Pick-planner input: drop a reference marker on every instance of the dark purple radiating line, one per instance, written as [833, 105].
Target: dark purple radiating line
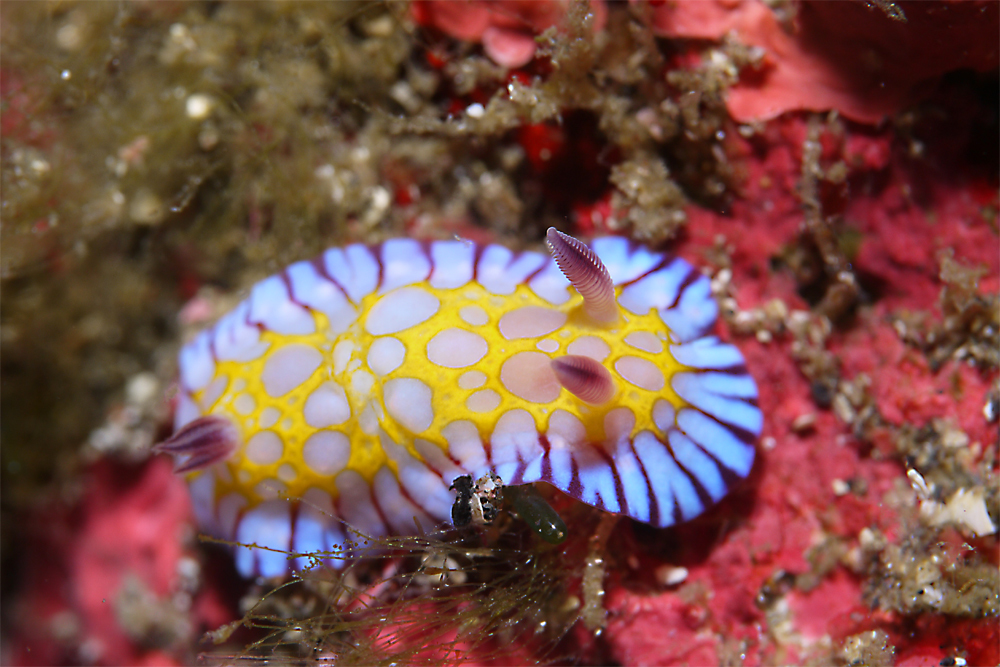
[665, 261]
[531, 276]
[376, 252]
[654, 505]
[689, 279]
[319, 263]
[382, 261]
[729, 476]
[575, 487]
[293, 516]
[477, 256]
[699, 489]
[419, 506]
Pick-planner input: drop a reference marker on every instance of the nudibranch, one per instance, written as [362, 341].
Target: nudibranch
[355, 389]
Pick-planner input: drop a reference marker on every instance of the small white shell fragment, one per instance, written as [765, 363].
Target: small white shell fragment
[966, 509]
[919, 484]
[670, 575]
[146, 208]
[199, 106]
[840, 487]
[804, 422]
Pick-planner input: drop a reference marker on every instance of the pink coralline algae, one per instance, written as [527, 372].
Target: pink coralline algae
[112, 572]
[847, 56]
[775, 532]
[507, 29]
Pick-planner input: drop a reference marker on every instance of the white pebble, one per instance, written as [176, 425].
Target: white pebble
[669, 575]
[199, 106]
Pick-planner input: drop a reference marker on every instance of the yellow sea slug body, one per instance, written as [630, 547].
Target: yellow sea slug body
[358, 386]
